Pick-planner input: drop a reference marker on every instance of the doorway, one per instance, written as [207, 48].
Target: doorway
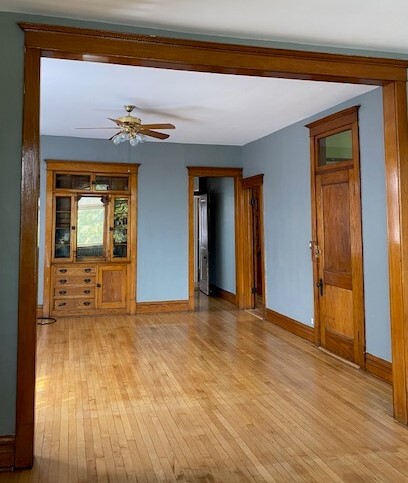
[337, 253]
[65, 42]
[214, 236]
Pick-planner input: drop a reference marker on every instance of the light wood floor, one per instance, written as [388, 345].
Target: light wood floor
[215, 395]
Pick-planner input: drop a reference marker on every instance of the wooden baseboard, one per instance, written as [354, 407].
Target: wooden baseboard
[224, 294]
[162, 306]
[291, 325]
[378, 367]
[7, 448]
[40, 311]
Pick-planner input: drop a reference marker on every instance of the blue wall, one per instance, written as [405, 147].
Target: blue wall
[162, 258]
[284, 159]
[222, 250]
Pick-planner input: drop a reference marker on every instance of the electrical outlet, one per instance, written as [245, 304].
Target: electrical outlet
[312, 322]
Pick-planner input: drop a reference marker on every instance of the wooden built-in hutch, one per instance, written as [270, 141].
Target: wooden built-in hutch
[90, 239]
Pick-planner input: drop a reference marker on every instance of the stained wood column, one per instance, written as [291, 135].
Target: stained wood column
[396, 154]
[27, 314]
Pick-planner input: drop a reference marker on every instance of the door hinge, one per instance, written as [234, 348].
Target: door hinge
[253, 201]
[254, 290]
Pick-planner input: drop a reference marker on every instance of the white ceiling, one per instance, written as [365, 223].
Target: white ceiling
[367, 24]
[205, 108]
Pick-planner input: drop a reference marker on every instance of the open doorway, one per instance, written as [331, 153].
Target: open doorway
[331, 68]
[214, 232]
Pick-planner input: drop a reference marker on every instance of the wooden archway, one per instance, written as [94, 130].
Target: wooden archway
[151, 51]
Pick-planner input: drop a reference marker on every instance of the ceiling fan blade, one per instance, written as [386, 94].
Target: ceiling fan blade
[116, 121]
[155, 134]
[110, 139]
[112, 127]
[156, 126]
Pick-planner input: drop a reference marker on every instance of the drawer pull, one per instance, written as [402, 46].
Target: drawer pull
[62, 292]
[62, 281]
[87, 292]
[62, 304]
[87, 270]
[87, 303]
[87, 280]
[63, 270]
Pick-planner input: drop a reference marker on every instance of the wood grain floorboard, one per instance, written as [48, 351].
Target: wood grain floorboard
[216, 395]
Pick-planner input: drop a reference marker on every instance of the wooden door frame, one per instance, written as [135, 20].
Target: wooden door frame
[248, 269]
[154, 51]
[337, 122]
[213, 172]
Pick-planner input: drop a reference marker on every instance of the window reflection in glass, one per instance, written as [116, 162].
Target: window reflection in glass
[90, 227]
[336, 148]
[120, 227]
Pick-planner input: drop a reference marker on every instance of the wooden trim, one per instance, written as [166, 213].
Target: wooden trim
[378, 367]
[224, 294]
[334, 121]
[291, 325]
[40, 312]
[7, 449]
[162, 306]
[63, 42]
[92, 166]
[347, 118]
[156, 51]
[252, 181]
[396, 168]
[215, 172]
[27, 298]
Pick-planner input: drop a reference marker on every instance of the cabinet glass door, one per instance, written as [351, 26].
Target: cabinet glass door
[90, 241]
[63, 240]
[120, 227]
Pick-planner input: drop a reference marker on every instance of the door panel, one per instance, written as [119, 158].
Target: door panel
[335, 263]
[204, 281]
[337, 239]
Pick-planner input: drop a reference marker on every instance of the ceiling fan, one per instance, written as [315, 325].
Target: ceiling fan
[131, 128]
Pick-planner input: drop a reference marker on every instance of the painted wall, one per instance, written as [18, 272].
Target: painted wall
[222, 222]
[11, 96]
[284, 159]
[162, 261]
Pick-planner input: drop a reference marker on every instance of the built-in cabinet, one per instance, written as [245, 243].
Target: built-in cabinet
[90, 259]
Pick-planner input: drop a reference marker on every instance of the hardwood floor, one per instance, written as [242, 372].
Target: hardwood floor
[214, 395]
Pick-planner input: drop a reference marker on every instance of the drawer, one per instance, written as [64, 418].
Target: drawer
[67, 270]
[78, 280]
[70, 291]
[74, 304]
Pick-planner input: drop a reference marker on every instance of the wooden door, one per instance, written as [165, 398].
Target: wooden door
[204, 280]
[257, 246]
[337, 244]
[111, 290]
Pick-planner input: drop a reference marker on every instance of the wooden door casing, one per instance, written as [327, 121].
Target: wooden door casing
[337, 244]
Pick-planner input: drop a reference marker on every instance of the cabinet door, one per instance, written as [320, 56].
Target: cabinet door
[112, 287]
[63, 241]
[119, 217]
